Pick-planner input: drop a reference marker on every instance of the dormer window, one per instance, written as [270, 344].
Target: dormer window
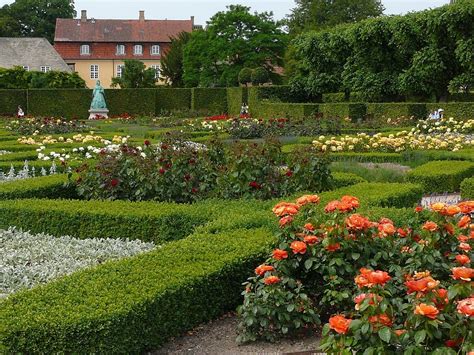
[45, 68]
[120, 49]
[155, 49]
[85, 49]
[138, 49]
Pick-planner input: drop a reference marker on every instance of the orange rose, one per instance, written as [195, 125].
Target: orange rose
[464, 222]
[449, 228]
[386, 229]
[340, 324]
[286, 209]
[271, 280]
[402, 233]
[279, 254]
[311, 239]
[309, 227]
[466, 207]
[373, 298]
[331, 206]
[441, 299]
[430, 226]
[369, 278]
[463, 259]
[262, 269]
[438, 207]
[285, 221]
[357, 222]
[451, 210]
[466, 307]
[463, 238]
[380, 319]
[298, 247]
[333, 247]
[426, 310]
[464, 246]
[307, 199]
[418, 209]
[351, 201]
[400, 332]
[462, 273]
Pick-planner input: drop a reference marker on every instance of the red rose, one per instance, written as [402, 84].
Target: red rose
[114, 182]
[147, 142]
[279, 254]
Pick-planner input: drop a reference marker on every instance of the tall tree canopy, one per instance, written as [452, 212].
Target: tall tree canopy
[233, 39]
[172, 62]
[320, 14]
[34, 18]
[135, 75]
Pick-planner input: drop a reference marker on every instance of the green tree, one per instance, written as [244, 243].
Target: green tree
[320, 14]
[233, 40]
[245, 76]
[34, 18]
[19, 78]
[172, 62]
[260, 76]
[135, 75]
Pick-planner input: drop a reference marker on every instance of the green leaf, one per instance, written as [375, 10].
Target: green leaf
[420, 336]
[290, 307]
[308, 263]
[385, 334]
[355, 256]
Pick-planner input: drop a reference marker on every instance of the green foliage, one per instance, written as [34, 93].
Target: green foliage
[441, 176]
[354, 111]
[10, 100]
[19, 78]
[70, 103]
[19, 156]
[172, 99]
[285, 110]
[320, 14]
[386, 58]
[245, 76]
[33, 18]
[234, 39]
[172, 62]
[467, 188]
[395, 110]
[373, 157]
[131, 101]
[53, 186]
[209, 100]
[459, 110]
[135, 75]
[260, 76]
[334, 97]
[342, 179]
[235, 98]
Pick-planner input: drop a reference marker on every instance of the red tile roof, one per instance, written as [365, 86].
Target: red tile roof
[75, 30]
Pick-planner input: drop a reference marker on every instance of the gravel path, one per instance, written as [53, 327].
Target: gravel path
[218, 337]
[389, 166]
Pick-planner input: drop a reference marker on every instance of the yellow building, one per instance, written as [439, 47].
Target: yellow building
[96, 49]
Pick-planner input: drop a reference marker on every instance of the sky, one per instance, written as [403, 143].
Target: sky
[204, 9]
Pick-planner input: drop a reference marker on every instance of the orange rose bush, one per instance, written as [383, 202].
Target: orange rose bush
[381, 287]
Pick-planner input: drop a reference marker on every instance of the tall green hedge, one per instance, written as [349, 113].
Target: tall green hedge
[334, 97]
[209, 100]
[467, 188]
[235, 98]
[355, 111]
[170, 99]
[10, 100]
[132, 101]
[69, 103]
[287, 110]
[458, 110]
[395, 110]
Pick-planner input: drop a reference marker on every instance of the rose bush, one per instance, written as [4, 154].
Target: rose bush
[383, 288]
[45, 125]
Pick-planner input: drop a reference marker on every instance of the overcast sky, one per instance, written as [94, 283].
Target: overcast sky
[203, 9]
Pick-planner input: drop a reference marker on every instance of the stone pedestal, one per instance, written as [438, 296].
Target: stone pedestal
[98, 113]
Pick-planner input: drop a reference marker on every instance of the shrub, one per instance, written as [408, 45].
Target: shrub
[467, 188]
[19, 156]
[211, 101]
[245, 76]
[334, 97]
[354, 111]
[260, 76]
[395, 110]
[53, 186]
[441, 176]
[235, 98]
[458, 110]
[131, 101]
[341, 179]
[10, 100]
[169, 99]
[69, 103]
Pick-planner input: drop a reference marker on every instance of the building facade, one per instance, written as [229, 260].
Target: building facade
[96, 49]
[33, 54]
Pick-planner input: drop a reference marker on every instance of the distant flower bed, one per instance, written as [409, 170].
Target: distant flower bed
[449, 125]
[28, 260]
[45, 125]
[78, 138]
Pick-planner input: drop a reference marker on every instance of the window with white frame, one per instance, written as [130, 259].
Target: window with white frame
[45, 68]
[94, 71]
[26, 67]
[120, 49]
[138, 49]
[120, 68]
[157, 70]
[85, 49]
[155, 49]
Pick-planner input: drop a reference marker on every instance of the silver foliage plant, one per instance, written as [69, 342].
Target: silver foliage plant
[27, 260]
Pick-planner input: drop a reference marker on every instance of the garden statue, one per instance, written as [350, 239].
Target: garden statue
[98, 107]
[20, 113]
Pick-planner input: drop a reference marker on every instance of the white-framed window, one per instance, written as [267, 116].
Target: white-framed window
[45, 68]
[120, 68]
[94, 71]
[26, 67]
[155, 49]
[120, 49]
[85, 49]
[138, 49]
[157, 70]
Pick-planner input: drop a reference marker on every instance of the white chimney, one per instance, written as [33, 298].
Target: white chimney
[142, 15]
[83, 15]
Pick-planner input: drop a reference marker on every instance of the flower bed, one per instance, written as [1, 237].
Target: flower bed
[410, 284]
[45, 125]
[29, 260]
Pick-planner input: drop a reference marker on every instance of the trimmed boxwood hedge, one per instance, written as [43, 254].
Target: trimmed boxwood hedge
[394, 110]
[136, 304]
[170, 99]
[441, 176]
[68, 103]
[209, 100]
[341, 179]
[286, 110]
[10, 100]
[19, 156]
[374, 157]
[334, 97]
[467, 188]
[132, 101]
[458, 110]
[52, 186]
[355, 111]
[235, 98]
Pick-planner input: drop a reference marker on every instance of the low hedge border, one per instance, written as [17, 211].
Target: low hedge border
[375, 157]
[467, 188]
[19, 156]
[341, 179]
[156, 295]
[53, 186]
[441, 176]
